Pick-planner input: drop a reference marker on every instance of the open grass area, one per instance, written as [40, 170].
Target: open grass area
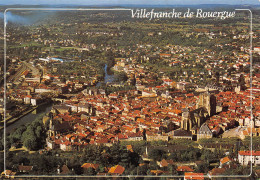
[65, 48]
[26, 45]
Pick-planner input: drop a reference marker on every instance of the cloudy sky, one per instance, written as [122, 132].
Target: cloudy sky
[114, 2]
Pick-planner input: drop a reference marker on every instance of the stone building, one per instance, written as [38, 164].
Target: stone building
[205, 107]
[58, 126]
[207, 101]
[193, 119]
[204, 132]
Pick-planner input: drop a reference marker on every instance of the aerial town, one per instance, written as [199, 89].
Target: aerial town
[113, 98]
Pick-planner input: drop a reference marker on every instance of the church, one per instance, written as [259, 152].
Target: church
[193, 120]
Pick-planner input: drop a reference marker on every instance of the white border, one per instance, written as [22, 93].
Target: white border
[129, 176]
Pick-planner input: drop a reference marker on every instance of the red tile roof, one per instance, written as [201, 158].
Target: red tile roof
[224, 160]
[193, 176]
[248, 153]
[25, 168]
[90, 165]
[116, 169]
[184, 169]
[217, 171]
[129, 148]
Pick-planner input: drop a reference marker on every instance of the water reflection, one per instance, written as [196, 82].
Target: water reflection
[29, 117]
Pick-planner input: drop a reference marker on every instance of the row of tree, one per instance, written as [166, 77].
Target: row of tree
[31, 136]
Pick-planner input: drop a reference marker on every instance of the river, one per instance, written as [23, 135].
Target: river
[45, 108]
[107, 78]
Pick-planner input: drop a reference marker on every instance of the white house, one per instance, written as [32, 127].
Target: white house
[35, 101]
[244, 157]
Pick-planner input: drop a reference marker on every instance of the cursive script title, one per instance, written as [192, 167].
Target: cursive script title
[199, 13]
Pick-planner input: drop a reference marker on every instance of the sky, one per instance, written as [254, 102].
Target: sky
[118, 2]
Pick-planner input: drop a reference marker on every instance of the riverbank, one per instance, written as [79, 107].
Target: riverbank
[108, 77]
[9, 121]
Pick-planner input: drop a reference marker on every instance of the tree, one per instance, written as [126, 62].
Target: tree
[18, 132]
[237, 170]
[202, 168]
[38, 132]
[115, 154]
[89, 154]
[134, 158]
[23, 160]
[90, 171]
[2, 160]
[125, 158]
[1, 143]
[172, 169]
[207, 156]
[30, 143]
[157, 154]
[142, 170]
[121, 77]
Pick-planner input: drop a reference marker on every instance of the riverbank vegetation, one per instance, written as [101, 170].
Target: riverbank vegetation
[31, 135]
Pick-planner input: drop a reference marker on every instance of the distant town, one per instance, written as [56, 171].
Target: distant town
[101, 94]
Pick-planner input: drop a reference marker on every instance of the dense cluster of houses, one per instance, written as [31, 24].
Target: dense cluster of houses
[155, 110]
